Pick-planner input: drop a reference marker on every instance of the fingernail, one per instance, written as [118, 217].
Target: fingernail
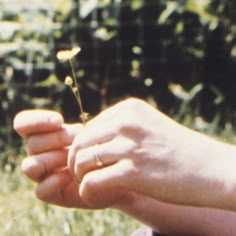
[33, 169]
[28, 164]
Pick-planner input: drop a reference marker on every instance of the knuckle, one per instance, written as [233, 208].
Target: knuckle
[76, 145]
[31, 145]
[133, 170]
[89, 184]
[80, 165]
[129, 168]
[136, 105]
[59, 137]
[125, 119]
[90, 189]
[40, 194]
[132, 102]
[128, 122]
[34, 169]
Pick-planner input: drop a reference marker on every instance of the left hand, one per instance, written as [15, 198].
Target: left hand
[48, 139]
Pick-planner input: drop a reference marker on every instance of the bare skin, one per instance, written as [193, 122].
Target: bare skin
[145, 151]
[48, 141]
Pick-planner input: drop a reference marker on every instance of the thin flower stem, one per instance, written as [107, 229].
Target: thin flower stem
[73, 73]
[78, 99]
[77, 93]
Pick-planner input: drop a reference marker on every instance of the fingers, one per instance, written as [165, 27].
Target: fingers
[44, 142]
[90, 136]
[35, 121]
[108, 153]
[103, 198]
[37, 167]
[60, 189]
[111, 177]
[106, 126]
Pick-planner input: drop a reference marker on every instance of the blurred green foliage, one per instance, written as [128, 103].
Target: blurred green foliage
[22, 214]
[180, 55]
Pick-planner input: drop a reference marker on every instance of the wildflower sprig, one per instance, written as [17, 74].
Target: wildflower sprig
[67, 55]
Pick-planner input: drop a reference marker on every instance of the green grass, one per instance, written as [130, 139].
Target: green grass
[21, 213]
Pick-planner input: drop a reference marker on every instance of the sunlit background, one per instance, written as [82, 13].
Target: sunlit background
[179, 55]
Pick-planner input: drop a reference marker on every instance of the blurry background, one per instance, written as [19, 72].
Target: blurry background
[178, 55]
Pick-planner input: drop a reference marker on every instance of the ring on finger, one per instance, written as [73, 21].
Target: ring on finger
[97, 158]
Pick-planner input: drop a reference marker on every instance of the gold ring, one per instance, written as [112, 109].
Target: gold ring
[97, 159]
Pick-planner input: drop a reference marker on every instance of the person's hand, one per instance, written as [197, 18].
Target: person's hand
[143, 150]
[48, 139]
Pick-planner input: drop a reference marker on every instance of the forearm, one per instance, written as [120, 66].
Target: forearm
[180, 220]
[214, 183]
[141, 208]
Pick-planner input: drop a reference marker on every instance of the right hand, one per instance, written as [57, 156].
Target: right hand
[145, 151]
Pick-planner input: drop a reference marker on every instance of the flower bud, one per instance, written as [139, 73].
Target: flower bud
[68, 80]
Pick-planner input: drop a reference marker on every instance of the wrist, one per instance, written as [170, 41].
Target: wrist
[125, 202]
[225, 174]
[215, 178]
[141, 208]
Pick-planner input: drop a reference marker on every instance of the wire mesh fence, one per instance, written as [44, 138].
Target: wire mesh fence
[129, 48]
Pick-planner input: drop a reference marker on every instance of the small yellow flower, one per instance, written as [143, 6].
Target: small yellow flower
[68, 81]
[75, 50]
[75, 90]
[65, 55]
[84, 116]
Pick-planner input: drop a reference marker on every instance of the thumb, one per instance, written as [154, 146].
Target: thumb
[106, 187]
[28, 122]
